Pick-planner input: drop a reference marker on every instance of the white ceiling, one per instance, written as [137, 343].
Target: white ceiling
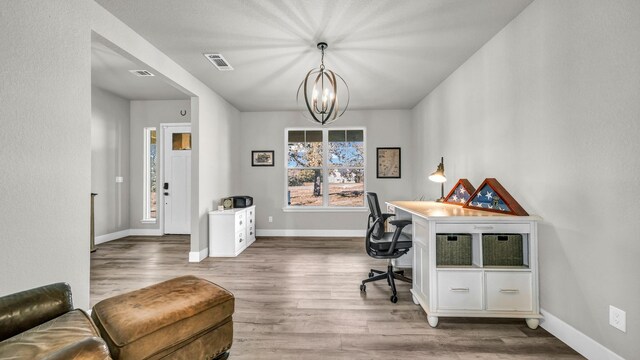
[391, 53]
[110, 71]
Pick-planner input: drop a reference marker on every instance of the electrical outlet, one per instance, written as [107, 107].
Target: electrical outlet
[270, 218]
[617, 318]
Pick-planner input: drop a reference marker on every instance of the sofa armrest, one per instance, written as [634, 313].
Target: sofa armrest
[92, 348]
[27, 309]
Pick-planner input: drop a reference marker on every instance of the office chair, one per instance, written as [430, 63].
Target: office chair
[385, 245]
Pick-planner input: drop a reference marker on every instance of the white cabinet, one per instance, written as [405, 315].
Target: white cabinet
[231, 231]
[492, 282]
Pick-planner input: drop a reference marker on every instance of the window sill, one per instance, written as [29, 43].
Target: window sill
[323, 209]
[149, 221]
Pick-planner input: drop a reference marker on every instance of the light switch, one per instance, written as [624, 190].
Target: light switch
[119, 179]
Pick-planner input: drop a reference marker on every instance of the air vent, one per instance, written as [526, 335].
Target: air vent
[219, 61]
[141, 73]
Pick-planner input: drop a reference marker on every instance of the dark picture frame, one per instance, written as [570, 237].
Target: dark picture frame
[262, 158]
[388, 163]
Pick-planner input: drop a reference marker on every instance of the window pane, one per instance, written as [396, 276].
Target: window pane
[181, 141]
[346, 187]
[153, 177]
[305, 154]
[346, 153]
[305, 187]
[296, 136]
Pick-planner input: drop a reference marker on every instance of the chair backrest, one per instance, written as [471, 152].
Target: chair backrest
[374, 208]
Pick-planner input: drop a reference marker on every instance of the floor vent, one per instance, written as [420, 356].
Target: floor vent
[141, 73]
[219, 61]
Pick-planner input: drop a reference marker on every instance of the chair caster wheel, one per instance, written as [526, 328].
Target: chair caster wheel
[363, 288]
[394, 299]
[370, 274]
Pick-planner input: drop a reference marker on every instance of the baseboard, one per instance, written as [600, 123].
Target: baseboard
[309, 233]
[112, 236]
[578, 341]
[145, 232]
[197, 256]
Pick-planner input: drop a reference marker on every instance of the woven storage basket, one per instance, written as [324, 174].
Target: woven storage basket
[502, 250]
[453, 249]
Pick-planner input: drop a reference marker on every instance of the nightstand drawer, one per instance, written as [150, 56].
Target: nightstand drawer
[508, 291]
[241, 221]
[459, 290]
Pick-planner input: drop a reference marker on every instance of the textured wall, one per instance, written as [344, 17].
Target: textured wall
[265, 131]
[45, 156]
[110, 158]
[550, 107]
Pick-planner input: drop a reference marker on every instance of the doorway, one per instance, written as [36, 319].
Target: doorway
[176, 183]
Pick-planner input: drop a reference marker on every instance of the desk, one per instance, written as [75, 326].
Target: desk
[484, 287]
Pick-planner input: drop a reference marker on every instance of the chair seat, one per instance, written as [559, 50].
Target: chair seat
[383, 244]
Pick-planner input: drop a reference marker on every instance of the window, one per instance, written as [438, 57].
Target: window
[150, 176]
[316, 158]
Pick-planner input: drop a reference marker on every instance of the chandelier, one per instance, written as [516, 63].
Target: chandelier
[322, 101]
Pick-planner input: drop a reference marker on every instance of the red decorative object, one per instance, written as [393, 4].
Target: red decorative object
[492, 196]
[460, 193]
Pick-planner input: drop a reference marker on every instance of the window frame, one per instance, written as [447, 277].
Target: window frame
[326, 207]
[146, 177]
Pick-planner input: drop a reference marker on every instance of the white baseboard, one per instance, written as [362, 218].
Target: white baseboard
[578, 341]
[145, 232]
[308, 233]
[112, 236]
[197, 256]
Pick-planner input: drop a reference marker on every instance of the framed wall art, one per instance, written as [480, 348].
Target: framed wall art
[262, 158]
[388, 163]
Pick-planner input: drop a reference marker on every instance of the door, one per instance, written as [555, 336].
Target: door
[177, 179]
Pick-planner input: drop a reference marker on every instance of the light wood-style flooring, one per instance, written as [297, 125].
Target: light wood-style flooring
[299, 298]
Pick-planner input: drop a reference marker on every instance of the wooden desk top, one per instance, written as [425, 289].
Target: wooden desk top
[431, 209]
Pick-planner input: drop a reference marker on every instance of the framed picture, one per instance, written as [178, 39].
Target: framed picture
[388, 163]
[262, 158]
[460, 193]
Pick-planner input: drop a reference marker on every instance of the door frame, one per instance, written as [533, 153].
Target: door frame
[160, 199]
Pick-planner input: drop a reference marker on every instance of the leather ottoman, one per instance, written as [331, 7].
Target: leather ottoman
[183, 318]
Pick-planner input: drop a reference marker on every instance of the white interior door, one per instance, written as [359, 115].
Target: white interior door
[177, 179]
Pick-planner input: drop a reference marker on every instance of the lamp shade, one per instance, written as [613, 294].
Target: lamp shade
[438, 175]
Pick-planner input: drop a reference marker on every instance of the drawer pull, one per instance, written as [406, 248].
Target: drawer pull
[510, 291]
[459, 289]
[240, 240]
[251, 233]
[240, 222]
[251, 221]
[483, 227]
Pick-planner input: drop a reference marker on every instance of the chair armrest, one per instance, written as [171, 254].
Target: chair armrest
[385, 216]
[92, 348]
[400, 223]
[27, 309]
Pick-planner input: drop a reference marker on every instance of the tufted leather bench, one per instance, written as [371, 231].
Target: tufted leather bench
[183, 318]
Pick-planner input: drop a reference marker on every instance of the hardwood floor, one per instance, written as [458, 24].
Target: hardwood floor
[299, 299]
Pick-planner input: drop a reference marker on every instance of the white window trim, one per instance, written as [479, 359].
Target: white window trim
[325, 170]
[146, 187]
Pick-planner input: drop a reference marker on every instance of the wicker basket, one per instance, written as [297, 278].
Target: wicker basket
[453, 249]
[502, 250]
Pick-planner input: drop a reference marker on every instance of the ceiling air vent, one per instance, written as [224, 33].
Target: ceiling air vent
[219, 61]
[141, 73]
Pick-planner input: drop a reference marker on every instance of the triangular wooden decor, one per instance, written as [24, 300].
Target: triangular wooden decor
[460, 193]
[491, 196]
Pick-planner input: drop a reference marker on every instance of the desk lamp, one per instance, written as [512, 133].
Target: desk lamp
[438, 176]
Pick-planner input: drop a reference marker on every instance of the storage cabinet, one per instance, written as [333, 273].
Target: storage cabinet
[472, 263]
[231, 231]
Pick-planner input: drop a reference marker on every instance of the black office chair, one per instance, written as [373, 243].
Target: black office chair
[385, 245]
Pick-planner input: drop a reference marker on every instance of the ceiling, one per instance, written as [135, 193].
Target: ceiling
[110, 71]
[391, 53]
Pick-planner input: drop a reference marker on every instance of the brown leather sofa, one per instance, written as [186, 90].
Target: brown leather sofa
[41, 324]
[182, 318]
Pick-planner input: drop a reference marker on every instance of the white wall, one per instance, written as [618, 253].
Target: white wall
[45, 157]
[109, 158]
[265, 131]
[550, 108]
[149, 114]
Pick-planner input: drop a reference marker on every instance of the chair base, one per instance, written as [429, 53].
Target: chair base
[390, 275]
